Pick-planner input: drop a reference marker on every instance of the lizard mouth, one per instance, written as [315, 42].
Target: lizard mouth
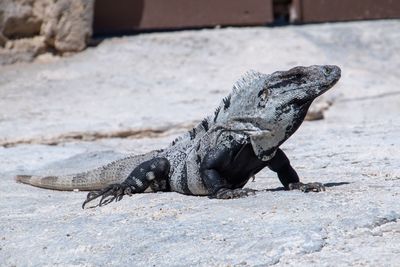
[308, 99]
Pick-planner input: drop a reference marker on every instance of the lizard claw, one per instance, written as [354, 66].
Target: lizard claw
[225, 193]
[108, 195]
[310, 187]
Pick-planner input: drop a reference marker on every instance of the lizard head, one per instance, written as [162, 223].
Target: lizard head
[270, 108]
[300, 85]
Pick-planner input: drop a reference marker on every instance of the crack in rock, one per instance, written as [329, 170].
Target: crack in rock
[383, 95]
[315, 113]
[97, 135]
[384, 220]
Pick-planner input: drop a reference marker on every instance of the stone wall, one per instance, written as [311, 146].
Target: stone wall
[29, 28]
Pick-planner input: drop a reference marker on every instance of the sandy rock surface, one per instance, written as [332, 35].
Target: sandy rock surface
[153, 87]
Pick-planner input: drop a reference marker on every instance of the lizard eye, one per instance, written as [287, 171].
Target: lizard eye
[327, 71]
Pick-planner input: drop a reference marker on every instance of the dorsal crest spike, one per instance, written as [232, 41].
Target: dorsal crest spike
[246, 80]
[216, 112]
[227, 101]
[204, 124]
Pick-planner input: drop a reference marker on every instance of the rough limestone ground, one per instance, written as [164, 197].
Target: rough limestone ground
[154, 86]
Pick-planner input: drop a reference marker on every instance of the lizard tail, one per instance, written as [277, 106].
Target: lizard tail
[63, 183]
[114, 172]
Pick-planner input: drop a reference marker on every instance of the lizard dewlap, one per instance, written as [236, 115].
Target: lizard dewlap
[218, 156]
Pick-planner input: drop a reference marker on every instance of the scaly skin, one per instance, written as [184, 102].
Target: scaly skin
[219, 155]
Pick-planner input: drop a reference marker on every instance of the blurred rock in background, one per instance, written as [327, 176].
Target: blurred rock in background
[29, 28]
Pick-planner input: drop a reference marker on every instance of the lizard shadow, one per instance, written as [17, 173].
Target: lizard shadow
[283, 189]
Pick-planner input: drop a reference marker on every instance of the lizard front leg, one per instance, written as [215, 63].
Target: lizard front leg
[215, 160]
[288, 176]
[138, 181]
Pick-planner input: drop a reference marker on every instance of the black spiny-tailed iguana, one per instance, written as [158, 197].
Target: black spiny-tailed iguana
[218, 156]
